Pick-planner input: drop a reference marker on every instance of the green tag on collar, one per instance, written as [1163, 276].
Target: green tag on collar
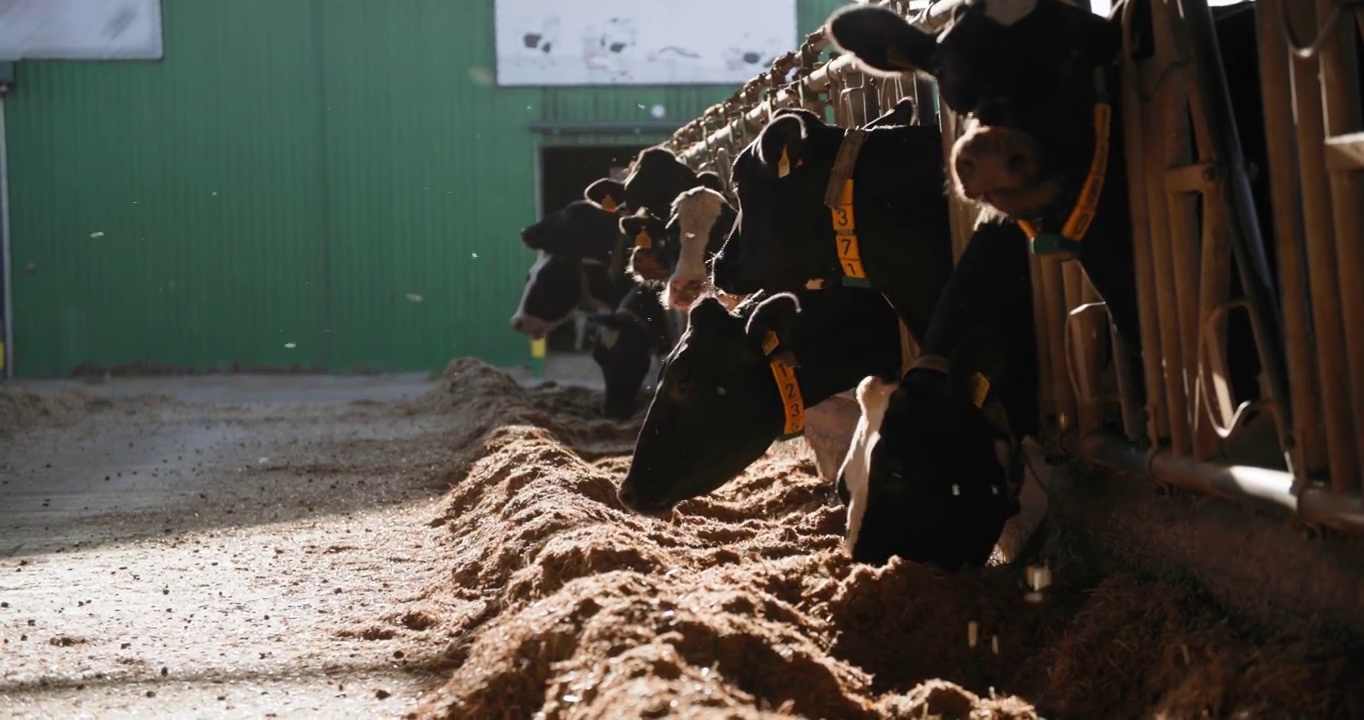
[1054, 243]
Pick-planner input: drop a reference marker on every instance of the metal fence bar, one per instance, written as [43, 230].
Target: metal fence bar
[1340, 88]
[1308, 444]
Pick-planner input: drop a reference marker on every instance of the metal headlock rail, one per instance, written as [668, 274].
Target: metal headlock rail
[1192, 215]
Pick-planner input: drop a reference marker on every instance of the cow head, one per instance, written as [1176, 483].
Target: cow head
[622, 347]
[1022, 74]
[655, 179]
[655, 249]
[927, 476]
[556, 286]
[717, 407]
[701, 214]
[581, 228]
[711, 179]
[784, 235]
[608, 193]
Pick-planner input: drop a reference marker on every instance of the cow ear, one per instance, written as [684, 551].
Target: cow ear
[533, 236]
[630, 225]
[873, 397]
[774, 326]
[711, 180]
[707, 313]
[903, 113]
[607, 193]
[883, 41]
[782, 145]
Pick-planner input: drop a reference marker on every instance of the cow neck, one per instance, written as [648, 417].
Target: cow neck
[788, 387]
[658, 334]
[1065, 243]
[784, 366]
[981, 395]
[838, 197]
[586, 298]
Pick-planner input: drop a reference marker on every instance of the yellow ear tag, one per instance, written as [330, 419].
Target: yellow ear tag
[784, 164]
[643, 241]
[979, 390]
[609, 204]
[770, 342]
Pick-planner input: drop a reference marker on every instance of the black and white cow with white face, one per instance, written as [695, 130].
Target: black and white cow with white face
[575, 247]
[703, 219]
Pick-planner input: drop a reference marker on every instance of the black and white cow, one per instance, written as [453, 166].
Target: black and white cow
[935, 468]
[785, 235]
[575, 247]
[703, 219]
[678, 254]
[718, 408]
[624, 343]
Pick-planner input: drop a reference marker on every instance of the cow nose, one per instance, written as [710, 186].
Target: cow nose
[520, 323]
[991, 160]
[626, 495]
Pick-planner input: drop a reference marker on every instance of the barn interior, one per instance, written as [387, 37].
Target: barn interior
[269, 445]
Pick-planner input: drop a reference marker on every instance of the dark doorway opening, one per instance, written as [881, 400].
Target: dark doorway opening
[564, 172]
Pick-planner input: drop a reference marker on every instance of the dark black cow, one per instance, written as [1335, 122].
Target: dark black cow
[934, 468]
[1031, 78]
[624, 343]
[785, 235]
[655, 246]
[718, 407]
[656, 177]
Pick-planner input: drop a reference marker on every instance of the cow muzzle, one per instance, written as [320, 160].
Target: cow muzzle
[532, 327]
[633, 500]
[1000, 167]
[682, 292]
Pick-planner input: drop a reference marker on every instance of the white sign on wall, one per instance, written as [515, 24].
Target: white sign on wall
[80, 30]
[641, 42]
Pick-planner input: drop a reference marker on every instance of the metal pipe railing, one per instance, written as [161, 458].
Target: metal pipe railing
[1273, 489]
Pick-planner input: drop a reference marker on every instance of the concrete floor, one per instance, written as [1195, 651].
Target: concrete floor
[564, 369]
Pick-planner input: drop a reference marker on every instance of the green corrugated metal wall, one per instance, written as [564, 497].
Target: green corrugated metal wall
[324, 183]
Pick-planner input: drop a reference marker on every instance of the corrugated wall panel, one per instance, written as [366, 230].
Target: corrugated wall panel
[169, 210]
[432, 177]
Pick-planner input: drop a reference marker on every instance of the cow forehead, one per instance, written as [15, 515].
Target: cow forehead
[1006, 12]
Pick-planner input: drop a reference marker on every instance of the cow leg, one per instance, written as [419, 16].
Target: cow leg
[580, 331]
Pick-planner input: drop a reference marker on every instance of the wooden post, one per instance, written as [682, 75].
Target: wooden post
[1308, 440]
[1341, 113]
[1143, 262]
[1319, 228]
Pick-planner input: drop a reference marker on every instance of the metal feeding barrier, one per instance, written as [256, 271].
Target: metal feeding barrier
[1194, 225]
